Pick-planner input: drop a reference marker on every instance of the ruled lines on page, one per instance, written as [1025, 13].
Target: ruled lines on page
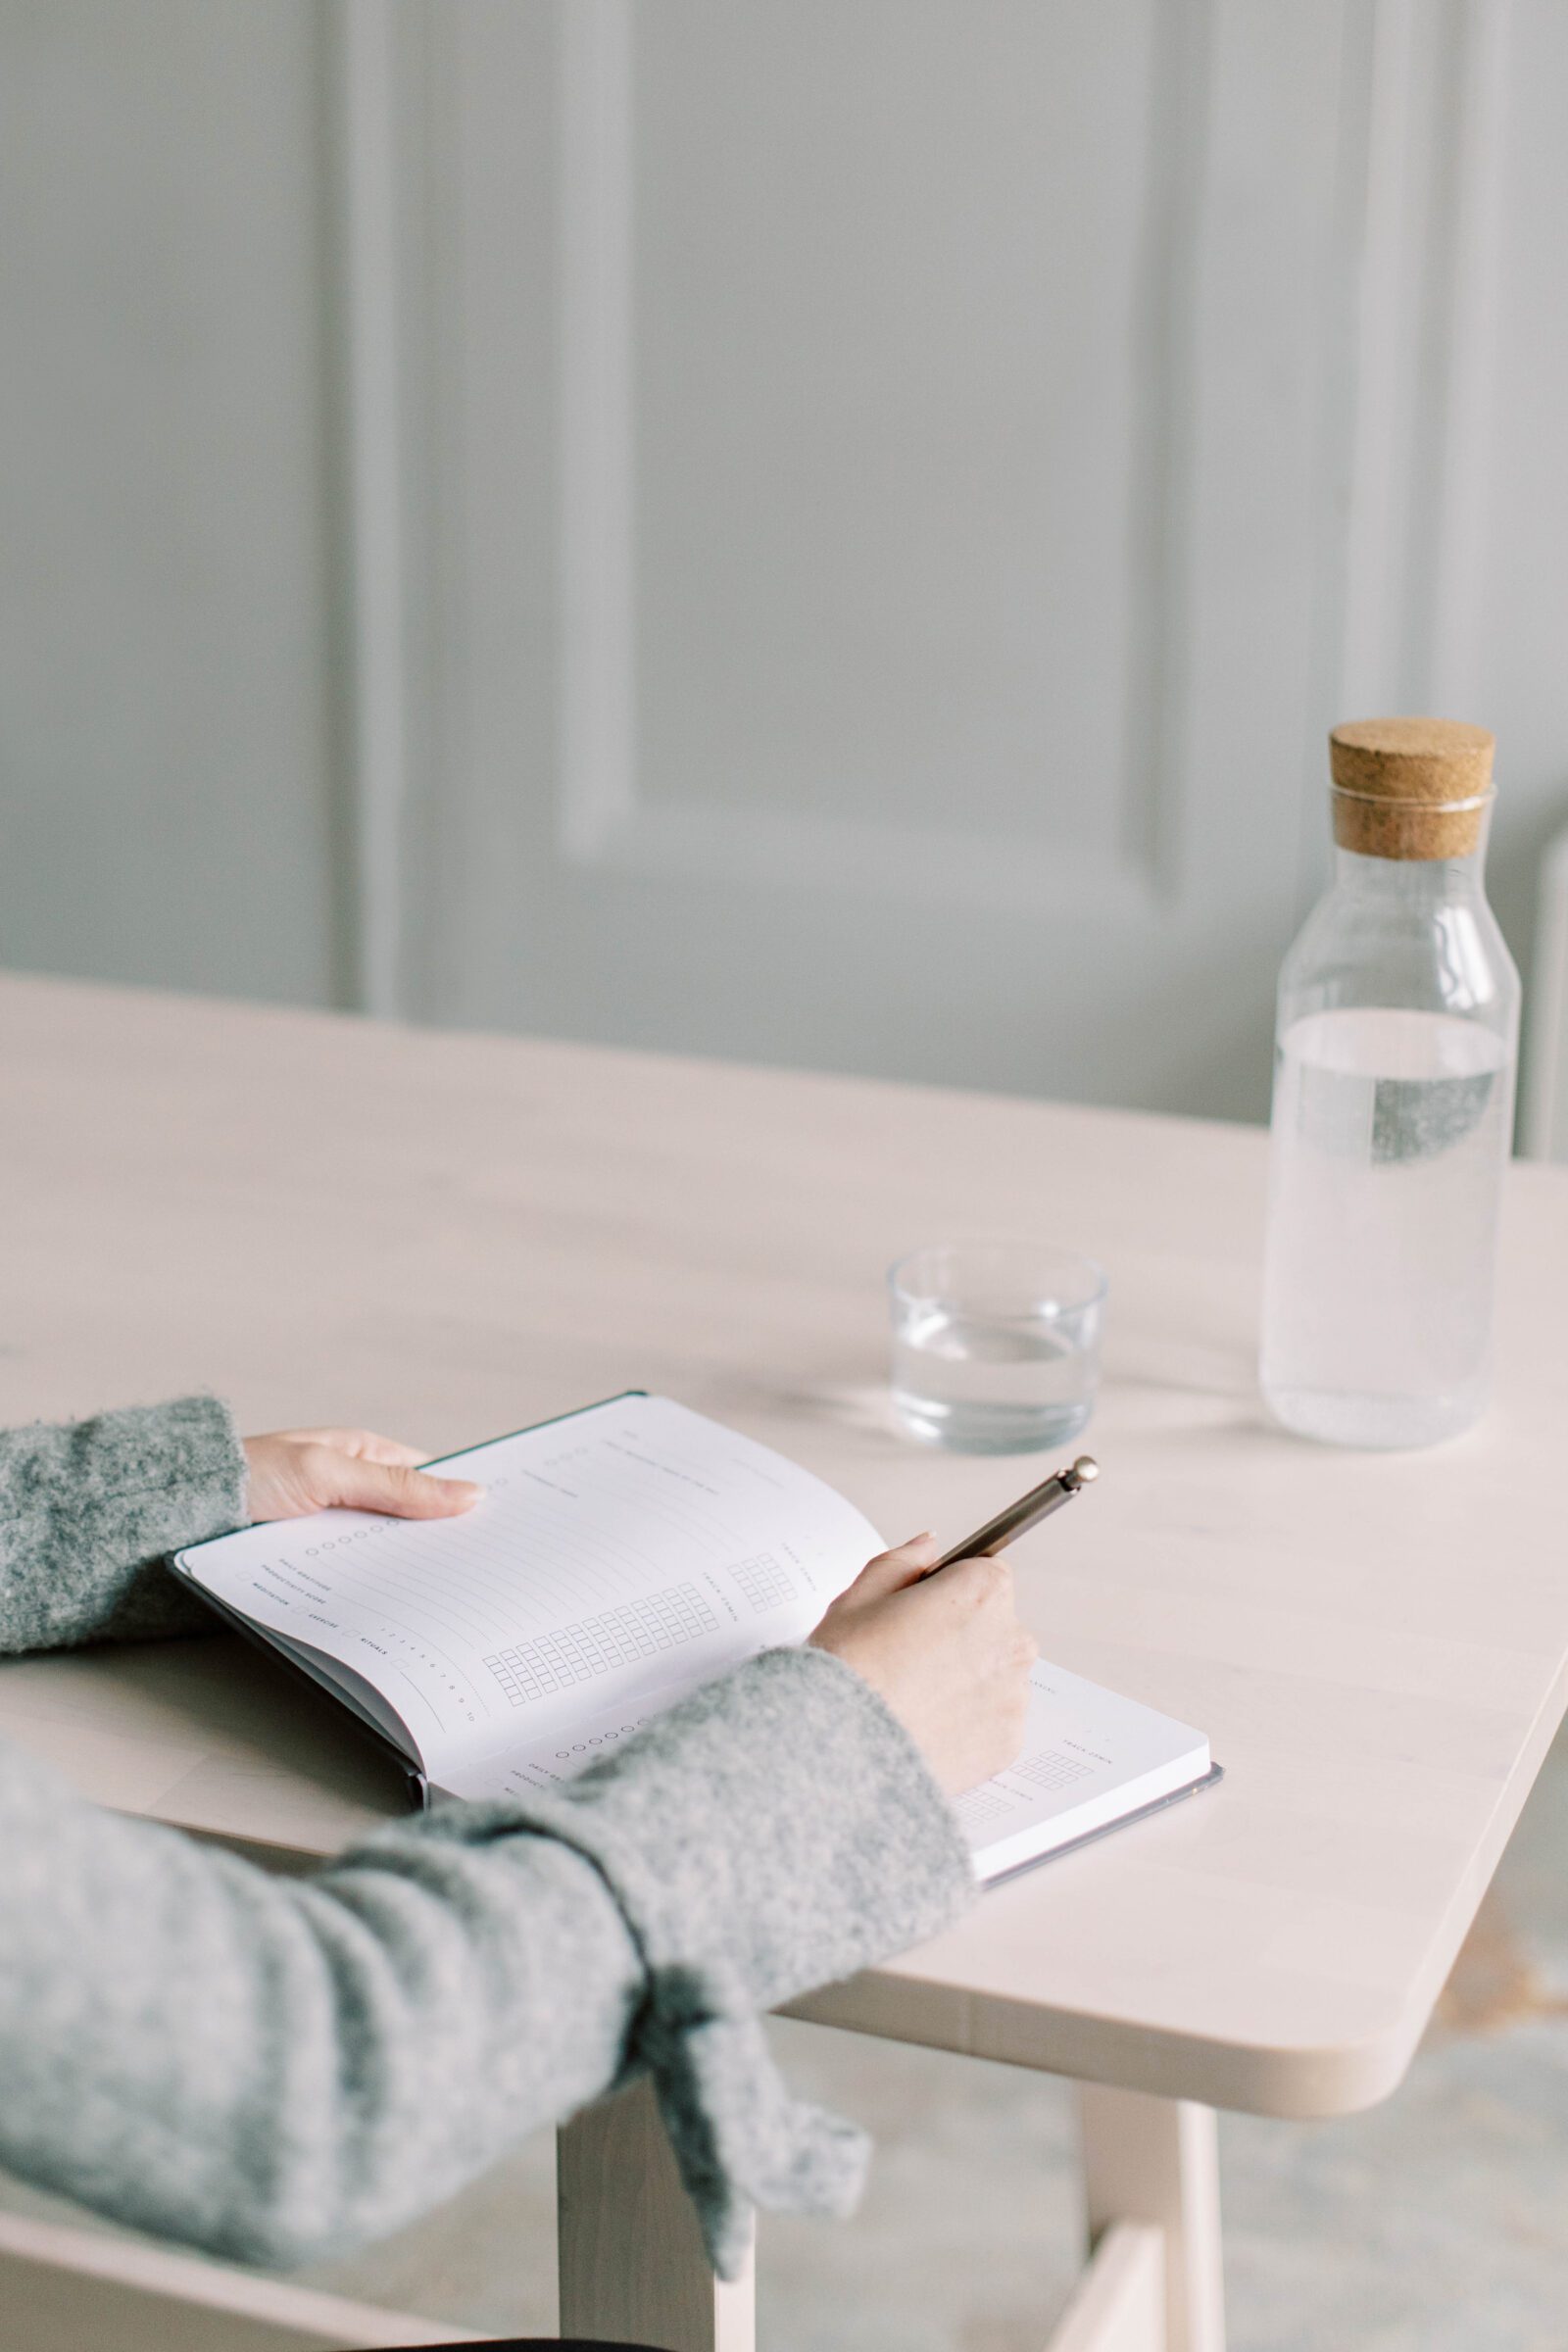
[632, 1547]
[559, 1758]
[1089, 1757]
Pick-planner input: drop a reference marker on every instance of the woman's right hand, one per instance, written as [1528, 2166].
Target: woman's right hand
[948, 1655]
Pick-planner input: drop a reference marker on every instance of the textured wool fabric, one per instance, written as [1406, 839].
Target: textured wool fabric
[89, 1509]
[276, 2068]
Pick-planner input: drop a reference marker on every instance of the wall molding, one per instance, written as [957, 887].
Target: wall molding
[1166, 395]
[597, 561]
[373, 464]
[1477, 99]
[603, 822]
[1431, 179]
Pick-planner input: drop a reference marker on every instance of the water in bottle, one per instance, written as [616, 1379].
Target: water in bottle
[1392, 1105]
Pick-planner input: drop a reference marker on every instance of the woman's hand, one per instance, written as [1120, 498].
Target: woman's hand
[949, 1656]
[298, 1470]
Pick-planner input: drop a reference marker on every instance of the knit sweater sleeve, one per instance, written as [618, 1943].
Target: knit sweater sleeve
[271, 2067]
[89, 1509]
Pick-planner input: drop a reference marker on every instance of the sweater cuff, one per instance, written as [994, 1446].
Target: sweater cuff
[781, 1823]
[777, 1830]
[141, 1484]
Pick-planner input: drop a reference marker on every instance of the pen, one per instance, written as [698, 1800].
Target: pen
[1028, 1511]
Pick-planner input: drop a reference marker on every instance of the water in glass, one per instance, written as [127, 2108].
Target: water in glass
[985, 1385]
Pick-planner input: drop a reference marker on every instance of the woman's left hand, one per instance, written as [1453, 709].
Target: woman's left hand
[293, 1471]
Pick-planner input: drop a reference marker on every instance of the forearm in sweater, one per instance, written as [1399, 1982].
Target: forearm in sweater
[89, 1509]
[270, 2067]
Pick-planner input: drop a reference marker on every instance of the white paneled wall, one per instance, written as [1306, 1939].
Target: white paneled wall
[827, 530]
[169, 805]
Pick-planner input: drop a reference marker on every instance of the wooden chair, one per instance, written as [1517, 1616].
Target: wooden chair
[72, 2290]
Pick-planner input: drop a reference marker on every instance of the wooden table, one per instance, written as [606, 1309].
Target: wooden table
[449, 1236]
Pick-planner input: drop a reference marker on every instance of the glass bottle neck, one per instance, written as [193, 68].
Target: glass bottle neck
[1414, 933]
[1414, 881]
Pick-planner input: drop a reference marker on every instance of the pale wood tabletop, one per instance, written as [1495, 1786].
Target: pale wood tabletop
[449, 1236]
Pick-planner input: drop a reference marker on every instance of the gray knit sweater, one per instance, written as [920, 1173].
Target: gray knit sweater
[275, 2068]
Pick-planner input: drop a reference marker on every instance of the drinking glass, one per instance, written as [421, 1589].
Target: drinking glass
[995, 1345]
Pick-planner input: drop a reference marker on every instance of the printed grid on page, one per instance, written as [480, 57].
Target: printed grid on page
[579, 1653]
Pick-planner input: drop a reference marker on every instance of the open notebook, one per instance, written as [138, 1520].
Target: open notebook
[620, 1556]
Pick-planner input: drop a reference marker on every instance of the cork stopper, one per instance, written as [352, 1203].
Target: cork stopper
[1410, 787]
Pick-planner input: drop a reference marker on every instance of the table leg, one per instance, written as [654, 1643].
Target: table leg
[633, 2268]
[1119, 2303]
[1154, 2162]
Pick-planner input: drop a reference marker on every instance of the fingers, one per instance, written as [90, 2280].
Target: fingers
[372, 1448]
[363, 1442]
[982, 1572]
[360, 1483]
[974, 1588]
[891, 1570]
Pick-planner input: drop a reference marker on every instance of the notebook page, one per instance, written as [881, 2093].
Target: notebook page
[624, 1549]
[1090, 1757]
[549, 1762]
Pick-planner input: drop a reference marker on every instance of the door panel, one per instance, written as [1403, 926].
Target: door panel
[875, 464]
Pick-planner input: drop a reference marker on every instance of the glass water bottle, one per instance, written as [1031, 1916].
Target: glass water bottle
[1393, 1073]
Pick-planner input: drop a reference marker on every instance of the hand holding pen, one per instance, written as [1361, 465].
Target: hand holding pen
[947, 1653]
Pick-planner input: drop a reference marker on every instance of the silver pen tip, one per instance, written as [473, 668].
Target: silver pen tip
[1086, 1469]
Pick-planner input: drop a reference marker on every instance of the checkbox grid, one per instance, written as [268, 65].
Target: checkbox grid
[978, 1807]
[762, 1581]
[580, 1653]
[1052, 1770]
